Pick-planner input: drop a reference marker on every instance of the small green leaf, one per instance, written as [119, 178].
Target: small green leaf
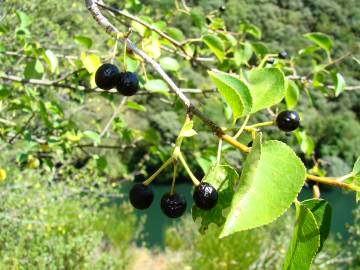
[321, 210]
[234, 91]
[135, 106]
[243, 54]
[292, 94]
[205, 162]
[271, 179]
[260, 49]
[305, 241]
[187, 130]
[51, 60]
[175, 33]
[157, 86]
[254, 31]
[267, 87]
[216, 45]
[340, 84]
[307, 144]
[93, 136]
[84, 41]
[44, 114]
[169, 63]
[24, 19]
[223, 178]
[34, 70]
[91, 62]
[322, 40]
[356, 168]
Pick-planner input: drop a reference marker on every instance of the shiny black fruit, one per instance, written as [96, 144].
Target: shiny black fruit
[222, 8]
[128, 83]
[141, 196]
[205, 196]
[107, 76]
[283, 55]
[288, 121]
[173, 205]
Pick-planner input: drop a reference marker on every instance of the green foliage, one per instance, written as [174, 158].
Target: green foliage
[271, 179]
[56, 225]
[73, 145]
[305, 241]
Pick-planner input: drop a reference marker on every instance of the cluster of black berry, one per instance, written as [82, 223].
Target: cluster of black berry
[173, 204]
[108, 76]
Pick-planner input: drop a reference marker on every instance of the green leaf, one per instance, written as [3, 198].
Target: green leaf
[51, 60]
[259, 48]
[340, 84]
[356, 177]
[24, 19]
[216, 45]
[93, 136]
[223, 178]
[34, 69]
[187, 130]
[292, 94]
[307, 144]
[169, 63]
[271, 179]
[157, 86]
[44, 114]
[175, 33]
[356, 168]
[205, 162]
[322, 212]
[243, 54]
[84, 41]
[91, 62]
[254, 31]
[234, 91]
[305, 241]
[322, 40]
[135, 106]
[267, 87]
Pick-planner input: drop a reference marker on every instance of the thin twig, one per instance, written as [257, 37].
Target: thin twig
[116, 112]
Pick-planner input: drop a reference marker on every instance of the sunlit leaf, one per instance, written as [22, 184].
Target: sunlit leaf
[340, 84]
[216, 45]
[271, 179]
[292, 94]
[267, 87]
[305, 241]
[51, 60]
[234, 91]
[322, 40]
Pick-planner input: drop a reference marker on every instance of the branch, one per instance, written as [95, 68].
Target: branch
[150, 27]
[332, 182]
[113, 31]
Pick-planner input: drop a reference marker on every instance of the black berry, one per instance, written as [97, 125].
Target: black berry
[283, 55]
[128, 83]
[205, 196]
[288, 121]
[107, 76]
[173, 205]
[222, 8]
[141, 196]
